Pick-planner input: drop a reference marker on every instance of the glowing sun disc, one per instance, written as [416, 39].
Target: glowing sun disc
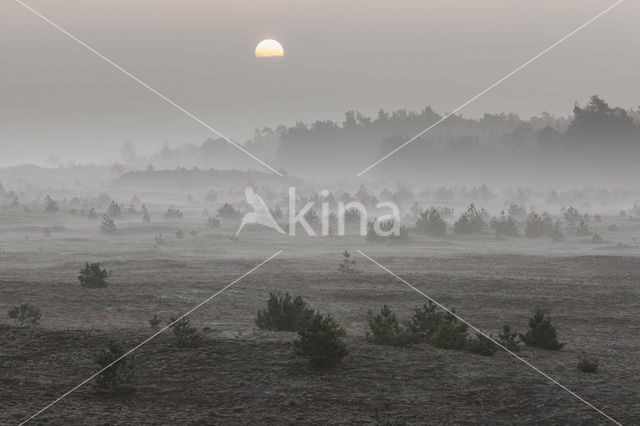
[269, 49]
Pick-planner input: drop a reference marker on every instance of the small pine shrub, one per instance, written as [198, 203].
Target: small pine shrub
[114, 210]
[538, 226]
[320, 341]
[450, 334]
[213, 222]
[228, 212]
[51, 205]
[92, 276]
[583, 229]
[284, 314]
[505, 225]
[155, 321]
[481, 345]
[173, 213]
[425, 321]
[25, 313]
[588, 365]
[431, 223]
[384, 329]
[348, 265]
[184, 335]
[114, 380]
[509, 339]
[597, 238]
[108, 226]
[179, 234]
[471, 221]
[146, 217]
[556, 231]
[541, 333]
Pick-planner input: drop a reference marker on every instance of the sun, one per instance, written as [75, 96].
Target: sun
[269, 48]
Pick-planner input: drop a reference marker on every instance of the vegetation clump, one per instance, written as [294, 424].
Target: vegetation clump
[155, 321]
[541, 333]
[25, 313]
[537, 226]
[50, 205]
[470, 222]
[509, 339]
[482, 345]
[425, 321]
[114, 209]
[431, 223]
[505, 225]
[284, 314]
[348, 265]
[184, 334]
[172, 213]
[384, 329]
[228, 212]
[320, 341]
[450, 334]
[108, 226]
[115, 372]
[91, 275]
[588, 365]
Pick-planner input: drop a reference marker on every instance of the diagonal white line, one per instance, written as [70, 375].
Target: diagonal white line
[145, 85]
[148, 339]
[493, 340]
[492, 86]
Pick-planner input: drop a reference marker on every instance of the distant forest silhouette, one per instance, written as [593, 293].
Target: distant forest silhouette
[598, 138]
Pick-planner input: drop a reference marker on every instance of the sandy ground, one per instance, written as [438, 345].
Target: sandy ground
[241, 375]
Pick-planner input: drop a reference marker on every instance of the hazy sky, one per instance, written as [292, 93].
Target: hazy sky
[58, 98]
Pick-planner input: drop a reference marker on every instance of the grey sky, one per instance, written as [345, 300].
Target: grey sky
[57, 98]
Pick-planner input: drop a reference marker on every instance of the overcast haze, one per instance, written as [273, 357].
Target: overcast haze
[58, 98]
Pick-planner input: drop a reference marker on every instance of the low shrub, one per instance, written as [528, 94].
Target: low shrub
[509, 339]
[108, 226]
[348, 265]
[25, 313]
[228, 212]
[184, 335]
[541, 333]
[92, 276]
[588, 365]
[114, 209]
[284, 314]
[431, 223]
[425, 321]
[471, 221]
[173, 213]
[482, 345]
[155, 321]
[505, 225]
[50, 205]
[320, 341]
[583, 229]
[538, 226]
[450, 334]
[114, 380]
[384, 329]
